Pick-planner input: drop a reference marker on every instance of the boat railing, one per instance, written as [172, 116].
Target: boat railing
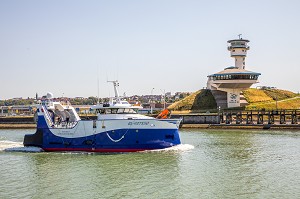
[47, 115]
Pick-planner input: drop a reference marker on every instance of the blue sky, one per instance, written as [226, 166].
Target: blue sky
[64, 46]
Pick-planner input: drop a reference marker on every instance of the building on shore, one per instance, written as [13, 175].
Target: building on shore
[226, 85]
[16, 110]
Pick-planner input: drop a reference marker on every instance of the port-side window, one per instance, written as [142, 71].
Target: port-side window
[121, 110]
[108, 111]
[101, 111]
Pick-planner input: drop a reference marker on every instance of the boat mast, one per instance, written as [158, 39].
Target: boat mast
[116, 84]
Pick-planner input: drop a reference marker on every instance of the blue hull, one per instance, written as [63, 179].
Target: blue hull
[110, 141]
[118, 140]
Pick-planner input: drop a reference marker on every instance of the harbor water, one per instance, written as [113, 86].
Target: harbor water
[208, 164]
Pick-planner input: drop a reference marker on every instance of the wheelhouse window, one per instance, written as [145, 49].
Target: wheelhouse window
[117, 111]
[120, 110]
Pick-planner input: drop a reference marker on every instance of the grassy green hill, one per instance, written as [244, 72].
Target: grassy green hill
[291, 103]
[257, 98]
[254, 95]
[200, 100]
[271, 99]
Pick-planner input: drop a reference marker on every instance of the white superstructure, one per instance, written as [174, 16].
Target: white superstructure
[117, 108]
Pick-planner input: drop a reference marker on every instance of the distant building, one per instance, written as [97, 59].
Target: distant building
[81, 98]
[168, 94]
[226, 85]
[17, 98]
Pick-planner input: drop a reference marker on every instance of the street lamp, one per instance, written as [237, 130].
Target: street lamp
[164, 93]
[151, 98]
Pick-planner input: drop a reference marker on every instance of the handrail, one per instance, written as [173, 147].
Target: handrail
[48, 117]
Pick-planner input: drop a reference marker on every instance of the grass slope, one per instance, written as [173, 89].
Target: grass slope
[257, 98]
[253, 95]
[200, 100]
[266, 99]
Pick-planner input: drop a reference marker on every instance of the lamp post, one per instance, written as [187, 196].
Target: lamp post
[219, 115]
[164, 94]
[151, 98]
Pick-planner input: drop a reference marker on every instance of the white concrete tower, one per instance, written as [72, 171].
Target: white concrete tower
[226, 85]
[238, 50]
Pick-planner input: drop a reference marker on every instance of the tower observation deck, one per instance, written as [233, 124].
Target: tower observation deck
[232, 80]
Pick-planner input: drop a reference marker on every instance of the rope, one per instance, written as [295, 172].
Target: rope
[122, 137]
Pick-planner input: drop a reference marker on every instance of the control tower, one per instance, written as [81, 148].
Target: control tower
[226, 85]
[238, 50]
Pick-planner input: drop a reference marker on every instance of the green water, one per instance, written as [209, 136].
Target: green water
[209, 164]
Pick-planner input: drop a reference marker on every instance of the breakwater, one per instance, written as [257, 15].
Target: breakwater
[17, 122]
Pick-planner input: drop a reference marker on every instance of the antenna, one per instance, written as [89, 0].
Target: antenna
[239, 36]
[98, 87]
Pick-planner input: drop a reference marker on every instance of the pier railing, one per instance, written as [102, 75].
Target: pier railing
[238, 117]
[260, 117]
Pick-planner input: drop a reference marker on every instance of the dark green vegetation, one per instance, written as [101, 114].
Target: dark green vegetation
[73, 101]
[14, 102]
[88, 101]
[200, 100]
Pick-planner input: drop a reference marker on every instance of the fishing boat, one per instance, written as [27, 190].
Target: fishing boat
[118, 128]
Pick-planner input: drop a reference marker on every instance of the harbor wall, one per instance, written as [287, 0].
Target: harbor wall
[225, 120]
[277, 119]
[17, 120]
[198, 119]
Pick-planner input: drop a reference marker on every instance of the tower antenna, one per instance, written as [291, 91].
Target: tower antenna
[98, 101]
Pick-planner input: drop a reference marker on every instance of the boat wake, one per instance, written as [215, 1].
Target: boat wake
[177, 148]
[10, 146]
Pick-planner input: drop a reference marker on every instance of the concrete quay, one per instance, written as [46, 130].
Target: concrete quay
[283, 119]
[275, 119]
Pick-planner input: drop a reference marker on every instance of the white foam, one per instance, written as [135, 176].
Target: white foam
[31, 149]
[177, 148]
[6, 145]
